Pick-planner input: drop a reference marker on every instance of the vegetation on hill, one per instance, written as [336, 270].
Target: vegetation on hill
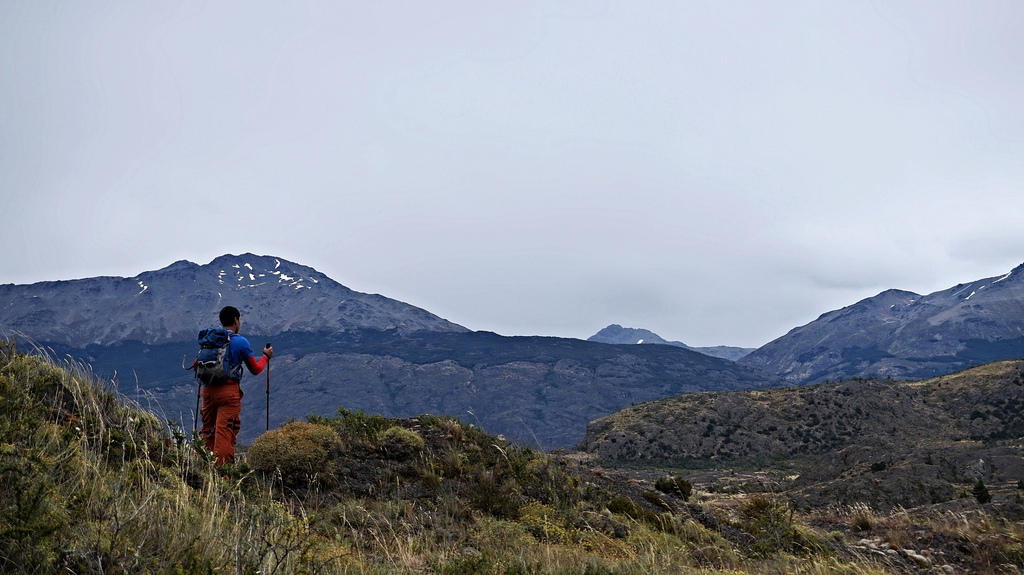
[881, 442]
[90, 483]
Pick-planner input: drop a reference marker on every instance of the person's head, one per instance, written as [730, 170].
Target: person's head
[229, 315]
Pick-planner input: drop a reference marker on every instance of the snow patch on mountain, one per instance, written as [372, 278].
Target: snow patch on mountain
[185, 297]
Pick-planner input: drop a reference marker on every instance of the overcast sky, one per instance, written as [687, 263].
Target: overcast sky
[716, 172]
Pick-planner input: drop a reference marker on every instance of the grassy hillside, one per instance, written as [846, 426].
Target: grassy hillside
[881, 442]
[90, 483]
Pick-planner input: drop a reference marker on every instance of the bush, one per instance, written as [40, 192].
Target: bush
[401, 438]
[492, 494]
[543, 522]
[31, 512]
[771, 522]
[862, 518]
[675, 485]
[358, 424]
[981, 492]
[1014, 553]
[623, 505]
[298, 450]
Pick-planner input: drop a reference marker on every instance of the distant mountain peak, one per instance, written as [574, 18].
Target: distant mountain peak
[249, 271]
[616, 334]
[180, 265]
[173, 303]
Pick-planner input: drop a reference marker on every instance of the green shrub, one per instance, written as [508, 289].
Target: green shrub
[490, 493]
[545, 524]
[675, 486]
[501, 536]
[862, 519]
[401, 438]
[1014, 553]
[623, 505]
[359, 424]
[31, 513]
[298, 450]
[981, 492]
[771, 522]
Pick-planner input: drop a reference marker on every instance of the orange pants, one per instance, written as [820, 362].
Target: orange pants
[222, 418]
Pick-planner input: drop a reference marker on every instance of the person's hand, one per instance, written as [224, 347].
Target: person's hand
[268, 351]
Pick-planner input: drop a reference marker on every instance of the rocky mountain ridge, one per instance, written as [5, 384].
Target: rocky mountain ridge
[174, 303]
[905, 335]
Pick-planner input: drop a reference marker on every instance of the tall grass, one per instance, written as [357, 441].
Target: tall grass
[91, 483]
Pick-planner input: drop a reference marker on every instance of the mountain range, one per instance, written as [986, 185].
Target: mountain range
[335, 347]
[904, 335]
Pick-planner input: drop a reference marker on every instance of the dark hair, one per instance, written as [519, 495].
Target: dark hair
[228, 315]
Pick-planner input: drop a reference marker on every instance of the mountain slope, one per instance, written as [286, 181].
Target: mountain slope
[904, 335]
[626, 335]
[174, 303]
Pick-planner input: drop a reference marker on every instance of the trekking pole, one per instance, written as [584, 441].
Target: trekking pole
[199, 393]
[268, 390]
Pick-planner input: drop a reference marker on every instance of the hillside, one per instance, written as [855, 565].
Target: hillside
[90, 483]
[884, 442]
[904, 335]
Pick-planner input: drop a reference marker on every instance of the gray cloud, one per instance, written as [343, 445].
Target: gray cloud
[718, 173]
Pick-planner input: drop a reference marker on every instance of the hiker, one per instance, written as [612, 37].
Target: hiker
[222, 402]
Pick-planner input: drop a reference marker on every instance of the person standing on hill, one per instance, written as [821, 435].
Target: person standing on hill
[222, 402]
